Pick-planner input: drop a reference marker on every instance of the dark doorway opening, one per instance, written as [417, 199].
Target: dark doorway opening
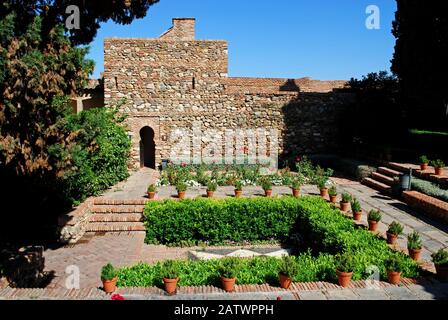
[147, 148]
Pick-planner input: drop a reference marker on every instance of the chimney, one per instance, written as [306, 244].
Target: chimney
[183, 29]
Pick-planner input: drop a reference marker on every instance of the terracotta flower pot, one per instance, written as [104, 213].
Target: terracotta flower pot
[284, 281]
[391, 238]
[268, 193]
[333, 199]
[357, 216]
[151, 195]
[345, 206]
[415, 254]
[373, 225]
[296, 193]
[423, 166]
[438, 171]
[324, 193]
[344, 278]
[442, 272]
[228, 284]
[394, 277]
[170, 285]
[181, 194]
[210, 194]
[238, 193]
[110, 286]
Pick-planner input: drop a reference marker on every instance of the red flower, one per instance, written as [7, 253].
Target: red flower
[298, 158]
[184, 165]
[279, 298]
[118, 297]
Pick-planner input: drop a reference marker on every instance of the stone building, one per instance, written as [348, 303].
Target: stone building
[176, 81]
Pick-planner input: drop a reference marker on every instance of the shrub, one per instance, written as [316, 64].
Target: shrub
[346, 197]
[108, 272]
[345, 262]
[374, 215]
[424, 160]
[229, 267]
[170, 270]
[181, 187]
[266, 183]
[430, 189]
[333, 191]
[288, 267]
[394, 263]
[212, 186]
[440, 258]
[356, 206]
[395, 228]
[414, 241]
[305, 168]
[238, 185]
[297, 182]
[152, 188]
[438, 163]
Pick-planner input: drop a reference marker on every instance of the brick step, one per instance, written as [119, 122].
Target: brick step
[114, 202]
[377, 185]
[382, 178]
[389, 172]
[403, 167]
[115, 226]
[124, 217]
[106, 209]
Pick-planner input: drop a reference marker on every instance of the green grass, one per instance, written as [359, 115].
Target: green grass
[426, 132]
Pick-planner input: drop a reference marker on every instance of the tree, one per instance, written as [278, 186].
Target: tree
[420, 61]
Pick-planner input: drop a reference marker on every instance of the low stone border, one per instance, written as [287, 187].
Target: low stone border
[432, 207]
[72, 225]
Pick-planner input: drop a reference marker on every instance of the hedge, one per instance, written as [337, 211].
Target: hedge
[323, 228]
[430, 189]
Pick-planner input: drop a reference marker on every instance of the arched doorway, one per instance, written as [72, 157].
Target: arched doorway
[147, 148]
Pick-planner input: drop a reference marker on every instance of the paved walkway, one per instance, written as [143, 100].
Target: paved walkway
[125, 249]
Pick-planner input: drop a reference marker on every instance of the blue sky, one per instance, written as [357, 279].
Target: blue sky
[322, 39]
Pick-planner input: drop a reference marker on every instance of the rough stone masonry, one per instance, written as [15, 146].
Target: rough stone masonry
[175, 81]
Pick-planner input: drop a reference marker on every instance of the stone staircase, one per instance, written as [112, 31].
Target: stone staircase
[383, 179]
[110, 215]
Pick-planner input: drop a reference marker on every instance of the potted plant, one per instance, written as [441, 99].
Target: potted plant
[344, 268]
[181, 188]
[356, 209]
[170, 276]
[394, 268]
[228, 271]
[296, 184]
[322, 185]
[287, 271]
[266, 184]
[440, 260]
[238, 189]
[345, 202]
[414, 246]
[395, 229]
[333, 193]
[424, 162]
[152, 190]
[438, 165]
[212, 186]
[374, 218]
[109, 277]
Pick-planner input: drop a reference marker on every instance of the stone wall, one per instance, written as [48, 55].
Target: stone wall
[174, 82]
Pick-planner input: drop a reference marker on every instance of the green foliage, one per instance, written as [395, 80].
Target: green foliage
[212, 186]
[288, 267]
[108, 272]
[238, 185]
[440, 258]
[356, 205]
[429, 188]
[229, 267]
[395, 228]
[181, 186]
[152, 188]
[414, 241]
[394, 263]
[346, 197]
[424, 160]
[170, 269]
[333, 191]
[305, 168]
[297, 182]
[266, 183]
[374, 215]
[345, 262]
[438, 163]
